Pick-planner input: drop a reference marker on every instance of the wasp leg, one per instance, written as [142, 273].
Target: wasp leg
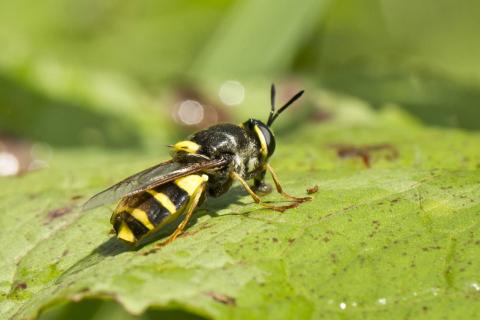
[257, 199]
[262, 189]
[189, 211]
[280, 189]
[259, 185]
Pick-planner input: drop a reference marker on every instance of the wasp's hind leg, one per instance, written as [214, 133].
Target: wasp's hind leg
[257, 199]
[280, 189]
[188, 214]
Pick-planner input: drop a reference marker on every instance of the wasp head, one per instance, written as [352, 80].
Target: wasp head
[262, 131]
[264, 136]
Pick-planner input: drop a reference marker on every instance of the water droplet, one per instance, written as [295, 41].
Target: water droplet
[190, 112]
[9, 164]
[382, 301]
[232, 93]
[475, 286]
[354, 304]
[343, 305]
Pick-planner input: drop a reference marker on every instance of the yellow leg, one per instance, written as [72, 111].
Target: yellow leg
[280, 189]
[257, 199]
[189, 211]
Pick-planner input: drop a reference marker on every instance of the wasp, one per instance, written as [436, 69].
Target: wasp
[207, 163]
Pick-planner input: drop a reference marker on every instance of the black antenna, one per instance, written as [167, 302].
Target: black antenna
[272, 104]
[273, 115]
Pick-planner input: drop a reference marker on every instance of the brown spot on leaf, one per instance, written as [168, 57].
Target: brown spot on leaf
[57, 213]
[312, 190]
[20, 286]
[222, 298]
[151, 251]
[365, 152]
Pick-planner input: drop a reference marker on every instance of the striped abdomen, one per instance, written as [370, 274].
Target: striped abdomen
[143, 213]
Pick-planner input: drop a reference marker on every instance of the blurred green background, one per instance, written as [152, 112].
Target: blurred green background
[113, 74]
[70, 69]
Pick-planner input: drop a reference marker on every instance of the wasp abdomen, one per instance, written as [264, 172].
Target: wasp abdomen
[140, 214]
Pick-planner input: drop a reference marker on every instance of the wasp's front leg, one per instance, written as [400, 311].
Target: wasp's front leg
[259, 185]
[256, 198]
[280, 189]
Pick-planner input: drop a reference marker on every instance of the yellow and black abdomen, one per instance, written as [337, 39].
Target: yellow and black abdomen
[141, 214]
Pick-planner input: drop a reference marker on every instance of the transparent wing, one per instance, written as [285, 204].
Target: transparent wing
[148, 179]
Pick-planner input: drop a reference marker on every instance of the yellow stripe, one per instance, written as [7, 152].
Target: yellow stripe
[125, 233]
[138, 214]
[164, 200]
[186, 146]
[191, 183]
[141, 216]
[263, 143]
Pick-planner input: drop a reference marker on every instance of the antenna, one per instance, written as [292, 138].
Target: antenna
[272, 104]
[274, 114]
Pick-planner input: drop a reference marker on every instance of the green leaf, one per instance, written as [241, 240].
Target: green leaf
[391, 232]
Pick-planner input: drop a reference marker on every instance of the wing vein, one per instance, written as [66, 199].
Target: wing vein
[150, 178]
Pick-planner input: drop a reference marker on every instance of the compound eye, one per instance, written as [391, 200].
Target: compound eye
[268, 139]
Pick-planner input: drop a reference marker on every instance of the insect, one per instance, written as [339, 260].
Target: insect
[205, 164]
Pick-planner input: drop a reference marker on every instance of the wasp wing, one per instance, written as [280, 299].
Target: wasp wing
[150, 178]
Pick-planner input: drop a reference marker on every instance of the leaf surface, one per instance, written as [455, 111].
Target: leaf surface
[391, 232]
